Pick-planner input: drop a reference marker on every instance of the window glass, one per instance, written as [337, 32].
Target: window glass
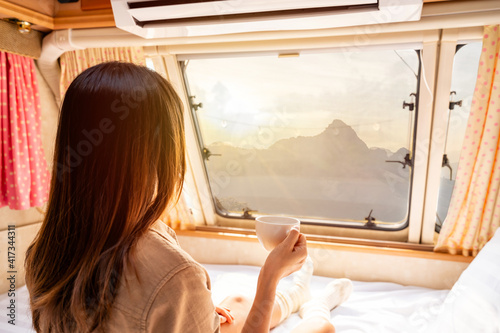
[321, 136]
[465, 66]
[150, 64]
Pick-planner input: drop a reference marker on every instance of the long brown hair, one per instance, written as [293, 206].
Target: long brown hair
[118, 163]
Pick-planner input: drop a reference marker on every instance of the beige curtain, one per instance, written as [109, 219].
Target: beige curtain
[75, 62]
[474, 212]
[179, 217]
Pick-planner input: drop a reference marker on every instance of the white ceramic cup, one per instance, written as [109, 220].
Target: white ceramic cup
[272, 230]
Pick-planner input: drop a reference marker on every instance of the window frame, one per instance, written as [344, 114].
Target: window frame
[434, 89]
[354, 224]
[449, 41]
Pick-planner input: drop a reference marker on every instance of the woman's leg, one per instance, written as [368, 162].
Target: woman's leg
[240, 307]
[287, 301]
[316, 312]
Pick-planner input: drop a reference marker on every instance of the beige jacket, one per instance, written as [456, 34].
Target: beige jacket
[171, 292]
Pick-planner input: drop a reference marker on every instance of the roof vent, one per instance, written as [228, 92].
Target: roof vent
[179, 18]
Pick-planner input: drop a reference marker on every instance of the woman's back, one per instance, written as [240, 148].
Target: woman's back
[166, 292]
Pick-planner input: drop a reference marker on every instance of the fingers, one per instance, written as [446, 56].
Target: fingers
[289, 256]
[296, 243]
[300, 249]
[301, 242]
[224, 313]
[292, 238]
[228, 315]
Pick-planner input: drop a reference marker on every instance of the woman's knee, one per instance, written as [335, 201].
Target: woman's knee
[239, 306]
[327, 327]
[324, 326]
[237, 299]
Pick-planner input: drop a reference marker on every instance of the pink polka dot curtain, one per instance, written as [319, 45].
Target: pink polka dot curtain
[75, 62]
[474, 212]
[24, 177]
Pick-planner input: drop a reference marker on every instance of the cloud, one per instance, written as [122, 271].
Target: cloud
[365, 89]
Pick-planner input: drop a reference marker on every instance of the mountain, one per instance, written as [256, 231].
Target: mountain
[333, 174]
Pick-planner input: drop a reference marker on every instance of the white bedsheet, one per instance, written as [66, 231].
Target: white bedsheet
[374, 307]
[23, 315]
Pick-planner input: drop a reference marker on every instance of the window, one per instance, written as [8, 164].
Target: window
[321, 136]
[465, 66]
[149, 63]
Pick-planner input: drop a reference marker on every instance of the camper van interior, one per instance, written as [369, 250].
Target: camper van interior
[372, 124]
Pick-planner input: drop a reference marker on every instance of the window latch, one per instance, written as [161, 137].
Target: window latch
[247, 213]
[453, 103]
[193, 105]
[206, 154]
[411, 105]
[446, 163]
[369, 220]
[407, 161]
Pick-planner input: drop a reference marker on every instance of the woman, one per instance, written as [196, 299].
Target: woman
[102, 261]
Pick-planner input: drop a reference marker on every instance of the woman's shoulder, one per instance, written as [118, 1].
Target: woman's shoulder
[163, 231]
[159, 244]
[158, 254]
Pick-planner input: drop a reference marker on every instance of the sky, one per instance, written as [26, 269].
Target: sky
[258, 100]
[463, 81]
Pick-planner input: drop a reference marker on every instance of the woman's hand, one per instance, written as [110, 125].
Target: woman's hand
[225, 315]
[287, 257]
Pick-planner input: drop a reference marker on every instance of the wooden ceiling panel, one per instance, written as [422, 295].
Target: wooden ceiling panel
[96, 4]
[45, 7]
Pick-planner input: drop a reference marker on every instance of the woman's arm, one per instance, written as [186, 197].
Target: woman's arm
[285, 259]
[259, 317]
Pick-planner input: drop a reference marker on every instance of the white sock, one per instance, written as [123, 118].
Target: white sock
[336, 292]
[291, 299]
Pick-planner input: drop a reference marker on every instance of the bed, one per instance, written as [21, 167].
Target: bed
[373, 306]
[472, 305]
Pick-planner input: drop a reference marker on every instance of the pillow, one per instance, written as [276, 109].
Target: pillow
[473, 304]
